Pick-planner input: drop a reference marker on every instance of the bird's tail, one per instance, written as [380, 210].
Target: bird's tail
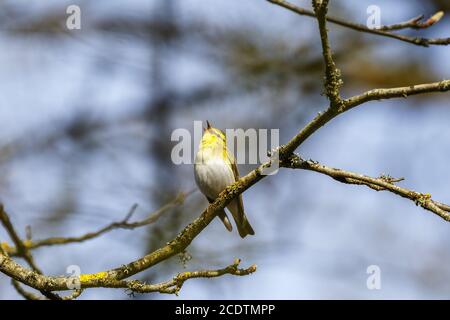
[244, 228]
[237, 210]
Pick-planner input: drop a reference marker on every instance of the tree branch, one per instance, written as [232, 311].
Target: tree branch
[24, 252]
[21, 248]
[381, 183]
[333, 79]
[399, 92]
[425, 42]
[41, 282]
[123, 224]
[377, 94]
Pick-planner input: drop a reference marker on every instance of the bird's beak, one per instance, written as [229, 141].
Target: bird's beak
[208, 125]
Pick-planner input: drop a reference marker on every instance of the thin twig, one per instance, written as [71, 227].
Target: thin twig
[123, 224]
[414, 23]
[24, 293]
[425, 42]
[174, 286]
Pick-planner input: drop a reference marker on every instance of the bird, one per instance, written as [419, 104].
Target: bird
[215, 169]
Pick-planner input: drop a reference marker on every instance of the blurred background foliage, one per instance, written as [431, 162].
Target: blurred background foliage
[87, 117]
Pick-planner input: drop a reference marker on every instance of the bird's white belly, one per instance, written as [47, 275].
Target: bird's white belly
[213, 176]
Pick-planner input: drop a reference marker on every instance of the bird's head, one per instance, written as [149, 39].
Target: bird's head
[213, 137]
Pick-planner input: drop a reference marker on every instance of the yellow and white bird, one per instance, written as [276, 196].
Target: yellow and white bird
[215, 168]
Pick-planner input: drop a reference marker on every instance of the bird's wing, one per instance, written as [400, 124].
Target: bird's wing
[236, 207]
[234, 167]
